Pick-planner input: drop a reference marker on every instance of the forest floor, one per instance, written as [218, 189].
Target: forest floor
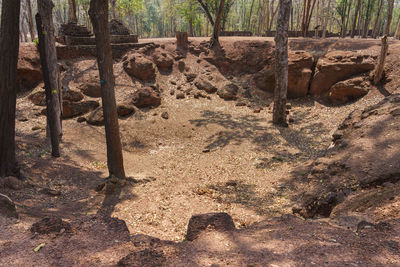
[208, 156]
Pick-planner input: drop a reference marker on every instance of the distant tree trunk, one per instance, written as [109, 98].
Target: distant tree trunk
[307, 14]
[113, 15]
[51, 75]
[99, 16]
[389, 18]
[379, 68]
[397, 33]
[30, 20]
[9, 45]
[324, 28]
[273, 14]
[377, 20]
[72, 11]
[251, 13]
[217, 25]
[281, 63]
[356, 12]
[367, 21]
[347, 19]
[191, 32]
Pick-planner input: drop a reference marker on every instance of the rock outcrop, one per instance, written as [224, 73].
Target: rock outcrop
[338, 66]
[138, 66]
[349, 90]
[146, 97]
[29, 73]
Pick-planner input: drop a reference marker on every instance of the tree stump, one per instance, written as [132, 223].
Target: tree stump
[181, 40]
[379, 68]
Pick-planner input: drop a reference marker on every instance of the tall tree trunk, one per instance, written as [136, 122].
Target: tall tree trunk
[72, 11]
[251, 13]
[281, 63]
[9, 45]
[397, 33]
[30, 20]
[99, 16]
[356, 12]
[347, 18]
[377, 20]
[217, 26]
[370, 4]
[378, 72]
[113, 15]
[389, 18]
[51, 75]
[307, 14]
[324, 28]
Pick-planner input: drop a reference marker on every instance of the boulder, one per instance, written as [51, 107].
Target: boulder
[29, 73]
[138, 66]
[38, 98]
[163, 60]
[125, 109]
[73, 109]
[216, 221]
[7, 207]
[349, 90]
[50, 225]
[299, 76]
[146, 97]
[92, 89]
[205, 85]
[72, 95]
[338, 66]
[228, 92]
[190, 77]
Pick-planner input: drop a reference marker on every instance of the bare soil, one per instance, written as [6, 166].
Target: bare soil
[208, 156]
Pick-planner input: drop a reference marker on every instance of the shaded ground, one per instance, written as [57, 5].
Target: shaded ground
[251, 171]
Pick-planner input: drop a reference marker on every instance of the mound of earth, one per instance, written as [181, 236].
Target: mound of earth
[366, 155]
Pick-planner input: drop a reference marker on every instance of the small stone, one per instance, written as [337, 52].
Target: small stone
[291, 120]
[165, 115]
[206, 150]
[288, 106]
[172, 92]
[23, 119]
[35, 128]
[240, 104]
[257, 110]
[180, 95]
[172, 82]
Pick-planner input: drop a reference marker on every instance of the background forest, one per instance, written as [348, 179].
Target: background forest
[161, 18]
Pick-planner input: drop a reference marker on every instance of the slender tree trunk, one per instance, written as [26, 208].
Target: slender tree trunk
[206, 11]
[113, 15]
[30, 20]
[379, 68]
[377, 20]
[9, 45]
[72, 11]
[389, 18]
[356, 12]
[251, 13]
[99, 16]
[281, 63]
[217, 26]
[324, 28]
[370, 4]
[397, 33]
[48, 58]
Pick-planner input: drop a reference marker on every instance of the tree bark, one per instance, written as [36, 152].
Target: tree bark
[99, 16]
[217, 26]
[281, 63]
[30, 20]
[9, 45]
[379, 68]
[389, 18]
[356, 12]
[72, 11]
[370, 4]
[51, 75]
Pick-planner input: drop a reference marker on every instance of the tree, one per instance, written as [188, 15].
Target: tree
[98, 13]
[377, 20]
[397, 33]
[307, 15]
[327, 15]
[217, 25]
[72, 11]
[389, 18]
[51, 75]
[9, 45]
[281, 63]
[30, 20]
[113, 2]
[378, 71]
[356, 13]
